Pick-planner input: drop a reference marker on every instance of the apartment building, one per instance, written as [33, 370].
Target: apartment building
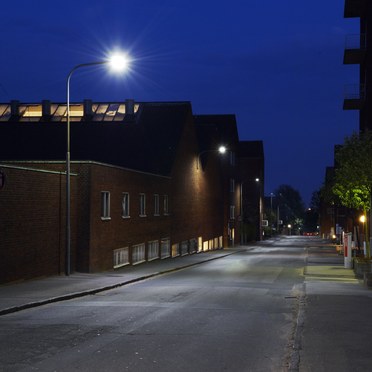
[358, 52]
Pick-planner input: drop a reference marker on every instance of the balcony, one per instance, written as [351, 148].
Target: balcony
[354, 97]
[355, 49]
[354, 8]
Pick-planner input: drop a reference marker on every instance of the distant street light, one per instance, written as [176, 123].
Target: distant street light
[221, 149]
[118, 63]
[243, 236]
[363, 220]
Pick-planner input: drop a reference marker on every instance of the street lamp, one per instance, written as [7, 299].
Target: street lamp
[221, 150]
[257, 206]
[117, 63]
[363, 220]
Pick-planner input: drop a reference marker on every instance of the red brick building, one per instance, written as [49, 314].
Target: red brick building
[146, 183]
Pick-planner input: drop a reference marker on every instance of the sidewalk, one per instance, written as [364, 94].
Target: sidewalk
[333, 327]
[37, 292]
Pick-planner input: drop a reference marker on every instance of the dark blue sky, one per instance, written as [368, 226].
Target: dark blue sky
[277, 65]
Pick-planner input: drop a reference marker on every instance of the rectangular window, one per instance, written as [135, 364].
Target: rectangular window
[193, 246]
[156, 205]
[200, 244]
[138, 253]
[184, 247]
[121, 257]
[165, 248]
[125, 205]
[166, 205]
[232, 185]
[232, 158]
[175, 250]
[153, 250]
[232, 212]
[142, 205]
[105, 205]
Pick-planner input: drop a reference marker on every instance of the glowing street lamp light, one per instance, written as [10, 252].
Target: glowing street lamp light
[363, 220]
[118, 63]
[222, 149]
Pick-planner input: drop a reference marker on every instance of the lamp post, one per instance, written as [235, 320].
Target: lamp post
[243, 239]
[117, 62]
[221, 149]
[363, 220]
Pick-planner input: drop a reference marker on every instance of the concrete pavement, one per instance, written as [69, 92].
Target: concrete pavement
[333, 329]
[37, 292]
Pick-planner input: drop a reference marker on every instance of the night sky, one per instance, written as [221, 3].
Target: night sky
[276, 65]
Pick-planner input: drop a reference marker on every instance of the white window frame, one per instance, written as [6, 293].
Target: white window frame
[105, 205]
[166, 205]
[165, 248]
[232, 185]
[153, 250]
[142, 204]
[121, 257]
[232, 212]
[138, 253]
[125, 205]
[156, 205]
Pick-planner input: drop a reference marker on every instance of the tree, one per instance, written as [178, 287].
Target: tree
[291, 206]
[311, 216]
[353, 172]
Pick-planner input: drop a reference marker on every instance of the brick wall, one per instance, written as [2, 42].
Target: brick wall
[31, 224]
[197, 200]
[117, 232]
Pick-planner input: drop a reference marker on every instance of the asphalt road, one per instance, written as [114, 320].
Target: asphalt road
[243, 312]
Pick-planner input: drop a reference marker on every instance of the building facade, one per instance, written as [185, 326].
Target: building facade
[146, 183]
[358, 52]
[358, 96]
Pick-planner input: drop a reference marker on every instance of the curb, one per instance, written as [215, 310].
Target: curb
[89, 292]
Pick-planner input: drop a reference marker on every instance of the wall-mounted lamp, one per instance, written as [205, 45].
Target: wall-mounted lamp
[221, 150]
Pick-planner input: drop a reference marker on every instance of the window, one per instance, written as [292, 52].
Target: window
[125, 205]
[142, 205]
[153, 250]
[232, 212]
[165, 248]
[184, 247]
[105, 205]
[121, 257]
[138, 253]
[232, 185]
[166, 205]
[156, 205]
[232, 158]
[175, 250]
[193, 246]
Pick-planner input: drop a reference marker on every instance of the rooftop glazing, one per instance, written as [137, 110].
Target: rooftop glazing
[57, 112]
